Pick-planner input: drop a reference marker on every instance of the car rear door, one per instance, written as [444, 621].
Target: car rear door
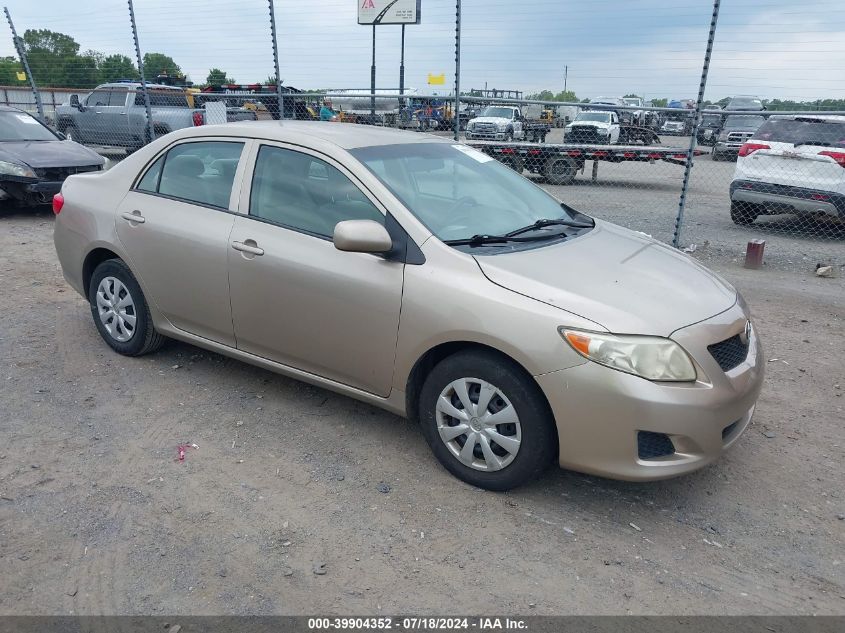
[296, 299]
[174, 226]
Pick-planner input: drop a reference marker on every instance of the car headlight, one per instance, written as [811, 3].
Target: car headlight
[16, 169]
[603, 132]
[471, 125]
[502, 127]
[650, 357]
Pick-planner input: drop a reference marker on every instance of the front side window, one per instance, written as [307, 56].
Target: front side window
[305, 193]
[201, 172]
[98, 98]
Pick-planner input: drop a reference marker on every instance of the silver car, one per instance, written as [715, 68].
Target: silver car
[424, 277]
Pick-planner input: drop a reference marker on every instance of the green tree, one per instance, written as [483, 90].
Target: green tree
[548, 95]
[53, 58]
[116, 67]
[660, 103]
[9, 69]
[566, 95]
[632, 96]
[217, 77]
[160, 64]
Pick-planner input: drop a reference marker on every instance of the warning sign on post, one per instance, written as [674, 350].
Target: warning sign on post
[388, 11]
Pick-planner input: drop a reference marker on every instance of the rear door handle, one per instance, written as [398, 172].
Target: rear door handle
[248, 246]
[135, 217]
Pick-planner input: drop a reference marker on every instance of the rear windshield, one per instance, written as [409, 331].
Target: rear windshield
[744, 121]
[745, 104]
[159, 98]
[803, 131]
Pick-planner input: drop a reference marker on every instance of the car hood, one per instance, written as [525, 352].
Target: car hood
[625, 281]
[490, 119]
[56, 153]
[589, 123]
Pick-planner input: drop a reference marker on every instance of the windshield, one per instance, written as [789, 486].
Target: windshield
[807, 131]
[736, 121]
[458, 192]
[499, 113]
[603, 117]
[19, 126]
[633, 102]
[711, 120]
[745, 103]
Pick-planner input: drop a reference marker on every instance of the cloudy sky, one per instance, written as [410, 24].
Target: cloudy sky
[774, 48]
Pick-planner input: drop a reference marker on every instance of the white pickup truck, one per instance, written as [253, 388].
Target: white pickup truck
[594, 127]
[496, 123]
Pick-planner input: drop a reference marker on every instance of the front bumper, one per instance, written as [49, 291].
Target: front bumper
[30, 191]
[788, 199]
[725, 147]
[600, 412]
[486, 136]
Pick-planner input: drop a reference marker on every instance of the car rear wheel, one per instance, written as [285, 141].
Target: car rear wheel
[486, 421]
[120, 310]
[560, 171]
[744, 213]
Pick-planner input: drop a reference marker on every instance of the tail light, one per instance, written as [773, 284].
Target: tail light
[839, 157]
[58, 203]
[198, 119]
[750, 148]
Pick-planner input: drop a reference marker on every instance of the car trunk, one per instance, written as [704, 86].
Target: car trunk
[785, 164]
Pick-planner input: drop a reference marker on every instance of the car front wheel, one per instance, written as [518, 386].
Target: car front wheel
[120, 310]
[487, 421]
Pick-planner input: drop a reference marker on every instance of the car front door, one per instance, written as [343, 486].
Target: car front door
[296, 299]
[174, 226]
[87, 120]
[113, 121]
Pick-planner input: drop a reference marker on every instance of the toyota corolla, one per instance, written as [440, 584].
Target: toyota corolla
[424, 277]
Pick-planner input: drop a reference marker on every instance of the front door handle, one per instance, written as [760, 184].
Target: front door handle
[248, 246]
[135, 217]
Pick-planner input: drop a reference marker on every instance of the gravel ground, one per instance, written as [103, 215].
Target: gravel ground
[302, 501]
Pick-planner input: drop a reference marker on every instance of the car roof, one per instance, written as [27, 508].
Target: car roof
[820, 116]
[343, 135]
[137, 84]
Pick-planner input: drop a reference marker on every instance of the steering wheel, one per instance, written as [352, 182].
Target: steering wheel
[457, 220]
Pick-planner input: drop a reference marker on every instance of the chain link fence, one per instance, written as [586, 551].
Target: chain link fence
[707, 173]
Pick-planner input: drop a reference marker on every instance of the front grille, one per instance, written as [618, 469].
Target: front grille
[60, 173]
[651, 445]
[584, 134]
[739, 137]
[729, 353]
[484, 128]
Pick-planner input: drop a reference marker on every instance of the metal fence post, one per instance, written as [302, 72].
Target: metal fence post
[150, 127]
[456, 115]
[276, 61]
[22, 54]
[679, 220]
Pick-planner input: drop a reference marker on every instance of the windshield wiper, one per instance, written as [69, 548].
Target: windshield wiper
[539, 224]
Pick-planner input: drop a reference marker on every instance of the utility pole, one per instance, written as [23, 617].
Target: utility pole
[565, 76]
[279, 95]
[402, 65]
[22, 54]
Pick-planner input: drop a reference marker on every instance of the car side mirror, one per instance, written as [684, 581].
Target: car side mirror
[361, 236]
[75, 103]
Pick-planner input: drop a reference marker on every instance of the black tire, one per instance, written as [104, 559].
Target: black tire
[509, 136]
[538, 446]
[715, 156]
[744, 213]
[144, 338]
[560, 171]
[513, 162]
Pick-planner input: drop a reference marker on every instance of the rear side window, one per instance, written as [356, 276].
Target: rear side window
[166, 98]
[305, 193]
[803, 131]
[201, 172]
[150, 180]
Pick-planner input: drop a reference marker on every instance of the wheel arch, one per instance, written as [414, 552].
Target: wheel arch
[94, 258]
[441, 351]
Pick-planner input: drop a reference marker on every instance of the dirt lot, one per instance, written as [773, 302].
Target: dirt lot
[97, 517]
